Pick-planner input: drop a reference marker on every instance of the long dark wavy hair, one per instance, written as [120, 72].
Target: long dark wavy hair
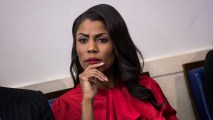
[127, 63]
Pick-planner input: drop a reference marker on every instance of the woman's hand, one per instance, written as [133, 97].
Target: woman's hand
[88, 79]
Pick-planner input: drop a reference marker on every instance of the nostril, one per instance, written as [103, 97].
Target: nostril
[92, 51]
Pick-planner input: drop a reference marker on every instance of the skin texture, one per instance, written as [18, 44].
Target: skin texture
[93, 41]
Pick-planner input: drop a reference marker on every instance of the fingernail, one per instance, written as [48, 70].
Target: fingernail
[106, 79]
[101, 63]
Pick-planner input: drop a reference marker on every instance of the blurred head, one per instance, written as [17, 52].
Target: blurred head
[123, 53]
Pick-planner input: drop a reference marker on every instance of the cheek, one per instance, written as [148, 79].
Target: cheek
[80, 50]
[109, 57]
[80, 54]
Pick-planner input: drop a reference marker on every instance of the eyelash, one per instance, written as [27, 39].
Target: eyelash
[100, 40]
[82, 40]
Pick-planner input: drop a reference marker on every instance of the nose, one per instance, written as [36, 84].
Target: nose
[92, 46]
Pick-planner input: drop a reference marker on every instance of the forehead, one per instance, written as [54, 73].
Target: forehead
[89, 26]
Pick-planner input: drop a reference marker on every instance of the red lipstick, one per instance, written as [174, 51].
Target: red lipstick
[93, 60]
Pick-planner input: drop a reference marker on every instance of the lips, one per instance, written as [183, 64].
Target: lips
[93, 60]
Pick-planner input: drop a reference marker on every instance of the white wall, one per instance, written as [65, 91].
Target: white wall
[36, 40]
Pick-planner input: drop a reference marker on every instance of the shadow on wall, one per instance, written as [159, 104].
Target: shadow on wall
[184, 106]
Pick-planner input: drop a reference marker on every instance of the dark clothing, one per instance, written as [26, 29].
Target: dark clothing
[20, 104]
[208, 82]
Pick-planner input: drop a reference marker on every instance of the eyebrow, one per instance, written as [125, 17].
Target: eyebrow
[96, 36]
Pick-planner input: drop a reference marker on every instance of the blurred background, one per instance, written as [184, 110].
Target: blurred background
[36, 39]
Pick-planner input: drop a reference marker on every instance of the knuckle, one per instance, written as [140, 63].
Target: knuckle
[82, 77]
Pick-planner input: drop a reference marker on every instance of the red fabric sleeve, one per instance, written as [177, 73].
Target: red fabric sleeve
[67, 107]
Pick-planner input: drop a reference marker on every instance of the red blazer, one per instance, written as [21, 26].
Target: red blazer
[115, 104]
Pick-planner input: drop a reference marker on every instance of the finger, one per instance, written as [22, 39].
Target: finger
[91, 74]
[97, 76]
[100, 74]
[94, 71]
[94, 66]
[97, 65]
[93, 80]
[90, 71]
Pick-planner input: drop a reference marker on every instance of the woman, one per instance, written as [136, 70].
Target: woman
[105, 62]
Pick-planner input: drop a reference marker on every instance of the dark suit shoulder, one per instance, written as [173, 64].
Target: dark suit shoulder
[24, 104]
[8, 95]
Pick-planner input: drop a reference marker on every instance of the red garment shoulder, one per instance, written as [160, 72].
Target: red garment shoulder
[151, 84]
[67, 103]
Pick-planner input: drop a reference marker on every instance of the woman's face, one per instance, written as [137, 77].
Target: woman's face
[94, 45]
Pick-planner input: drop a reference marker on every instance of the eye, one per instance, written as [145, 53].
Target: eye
[83, 40]
[102, 40]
